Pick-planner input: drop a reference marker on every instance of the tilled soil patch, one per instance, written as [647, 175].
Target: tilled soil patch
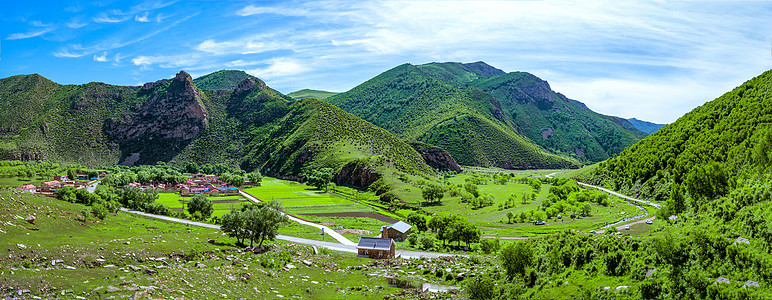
[371, 215]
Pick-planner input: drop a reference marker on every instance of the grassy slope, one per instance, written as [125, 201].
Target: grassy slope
[254, 128]
[221, 80]
[416, 106]
[307, 93]
[534, 107]
[125, 240]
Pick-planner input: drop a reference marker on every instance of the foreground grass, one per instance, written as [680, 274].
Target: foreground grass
[62, 256]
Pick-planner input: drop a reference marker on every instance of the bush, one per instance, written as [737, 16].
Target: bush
[427, 242]
[481, 288]
[99, 211]
[412, 239]
[490, 245]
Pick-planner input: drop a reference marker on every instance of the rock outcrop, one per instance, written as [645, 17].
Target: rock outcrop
[436, 157]
[173, 110]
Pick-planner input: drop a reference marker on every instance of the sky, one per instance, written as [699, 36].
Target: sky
[652, 60]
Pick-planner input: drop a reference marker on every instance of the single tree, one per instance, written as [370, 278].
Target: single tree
[200, 203]
[433, 193]
[418, 221]
[319, 178]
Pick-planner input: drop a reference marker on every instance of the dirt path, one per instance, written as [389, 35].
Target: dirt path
[622, 227]
[503, 237]
[328, 245]
[327, 230]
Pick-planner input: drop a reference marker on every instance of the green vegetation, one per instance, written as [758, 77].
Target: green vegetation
[258, 222]
[306, 93]
[465, 121]
[478, 113]
[235, 121]
[125, 256]
[221, 80]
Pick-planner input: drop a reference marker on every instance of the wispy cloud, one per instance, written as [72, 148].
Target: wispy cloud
[104, 18]
[26, 35]
[101, 58]
[251, 45]
[75, 24]
[250, 10]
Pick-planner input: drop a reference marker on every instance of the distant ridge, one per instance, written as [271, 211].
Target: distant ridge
[308, 93]
[430, 102]
[647, 127]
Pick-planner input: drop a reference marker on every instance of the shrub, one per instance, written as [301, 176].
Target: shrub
[490, 245]
[99, 211]
[202, 205]
[481, 288]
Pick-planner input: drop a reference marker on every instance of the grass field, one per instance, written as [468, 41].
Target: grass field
[128, 256]
[221, 204]
[492, 221]
[303, 201]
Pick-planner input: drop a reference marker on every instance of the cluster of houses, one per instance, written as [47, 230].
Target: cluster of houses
[196, 184]
[59, 181]
[383, 247]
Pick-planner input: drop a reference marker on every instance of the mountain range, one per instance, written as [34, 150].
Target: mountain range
[443, 114]
[485, 116]
[174, 121]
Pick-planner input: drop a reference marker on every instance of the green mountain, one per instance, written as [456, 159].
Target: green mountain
[645, 126]
[556, 123]
[729, 137]
[306, 93]
[220, 80]
[171, 120]
[413, 103]
[428, 103]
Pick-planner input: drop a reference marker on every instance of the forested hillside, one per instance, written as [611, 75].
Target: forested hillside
[727, 137]
[647, 127]
[413, 101]
[250, 125]
[466, 121]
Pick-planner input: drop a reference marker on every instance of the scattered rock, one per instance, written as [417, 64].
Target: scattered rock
[30, 219]
[69, 267]
[150, 271]
[246, 276]
[621, 287]
[307, 262]
[200, 265]
[211, 241]
[316, 251]
[230, 277]
[112, 289]
[21, 246]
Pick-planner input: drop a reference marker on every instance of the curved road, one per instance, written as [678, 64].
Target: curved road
[634, 201]
[328, 245]
[325, 229]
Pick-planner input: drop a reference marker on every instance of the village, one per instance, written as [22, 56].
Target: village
[207, 184]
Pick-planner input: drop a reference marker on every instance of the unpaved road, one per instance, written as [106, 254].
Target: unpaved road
[328, 245]
[327, 230]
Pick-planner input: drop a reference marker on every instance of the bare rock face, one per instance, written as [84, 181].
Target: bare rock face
[436, 157]
[354, 174]
[174, 110]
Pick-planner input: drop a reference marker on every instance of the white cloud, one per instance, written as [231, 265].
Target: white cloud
[104, 18]
[143, 18]
[250, 10]
[26, 35]
[250, 45]
[101, 58]
[68, 53]
[75, 24]
[280, 67]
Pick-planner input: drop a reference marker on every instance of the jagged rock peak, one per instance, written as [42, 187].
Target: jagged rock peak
[182, 75]
[248, 84]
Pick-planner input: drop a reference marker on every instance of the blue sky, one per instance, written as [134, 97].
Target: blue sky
[650, 60]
